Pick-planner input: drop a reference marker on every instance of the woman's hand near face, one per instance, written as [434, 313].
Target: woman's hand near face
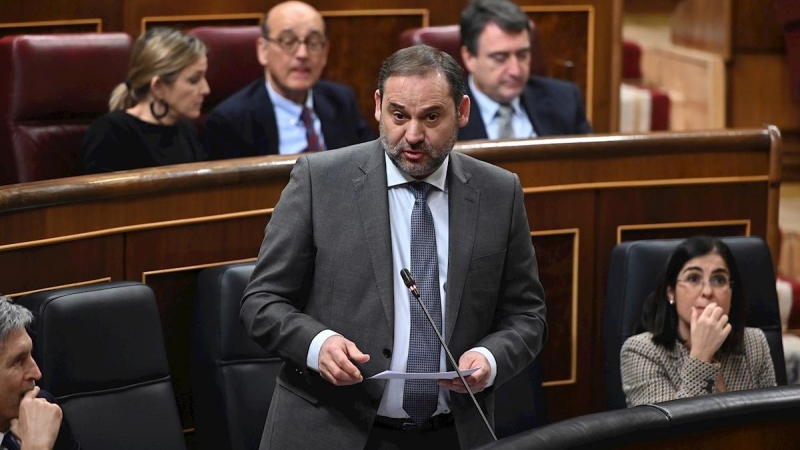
[709, 329]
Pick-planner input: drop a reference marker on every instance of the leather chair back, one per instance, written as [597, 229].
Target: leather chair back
[51, 88]
[691, 422]
[448, 39]
[633, 274]
[232, 61]
[232, 377]
[101, 352]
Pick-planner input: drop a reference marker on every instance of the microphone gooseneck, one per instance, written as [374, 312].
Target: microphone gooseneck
[412, 287]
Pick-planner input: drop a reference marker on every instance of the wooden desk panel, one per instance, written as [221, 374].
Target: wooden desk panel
[583, 194]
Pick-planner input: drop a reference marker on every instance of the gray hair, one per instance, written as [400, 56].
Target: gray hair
[13, 317]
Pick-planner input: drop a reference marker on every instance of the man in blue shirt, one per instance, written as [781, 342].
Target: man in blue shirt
[291, 110]
[507, 101]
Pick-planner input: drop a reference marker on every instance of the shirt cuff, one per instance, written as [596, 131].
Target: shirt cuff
[492, 363]
[312, 360]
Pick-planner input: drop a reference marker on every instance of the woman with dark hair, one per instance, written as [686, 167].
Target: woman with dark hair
[695, 340]
[148, 123]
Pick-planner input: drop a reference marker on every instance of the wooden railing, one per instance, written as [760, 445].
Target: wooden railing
[583, 196]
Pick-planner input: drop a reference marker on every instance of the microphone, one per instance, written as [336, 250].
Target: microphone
[412, 287]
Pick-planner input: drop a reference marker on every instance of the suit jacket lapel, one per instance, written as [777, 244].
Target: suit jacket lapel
[268, 139]
[373, 203]
[331, 125]
[475, 128]
[534, 107]
[463, 200]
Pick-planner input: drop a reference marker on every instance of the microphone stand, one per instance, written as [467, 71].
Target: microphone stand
[412, 287]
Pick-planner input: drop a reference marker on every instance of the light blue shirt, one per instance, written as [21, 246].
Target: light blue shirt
[291, 130]
[401, 202]
[488, 108]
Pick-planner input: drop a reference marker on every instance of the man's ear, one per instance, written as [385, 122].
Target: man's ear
[262, 51]
[377, 105]
[468, 58]
[463, 111]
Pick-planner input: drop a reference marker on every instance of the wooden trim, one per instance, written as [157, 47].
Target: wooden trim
[424, 12]
[645, 183]
[656, 226]
[199, 18]
[188, 268]
[590, 44]
[97, 22]
[62, 286]
[774, 193]
[133, 228]
[573, 379]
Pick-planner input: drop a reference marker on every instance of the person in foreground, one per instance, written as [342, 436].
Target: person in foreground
[29, 417]
[696, 341]
[327, 297]
[149, 124]
[290, 110]
[507, 101]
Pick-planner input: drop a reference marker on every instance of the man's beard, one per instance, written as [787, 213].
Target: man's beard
[435, 155]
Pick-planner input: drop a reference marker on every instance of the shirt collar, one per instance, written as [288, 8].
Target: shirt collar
[395, 177]
[488, 107]
[288, 106]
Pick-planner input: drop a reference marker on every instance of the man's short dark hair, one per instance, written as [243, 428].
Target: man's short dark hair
[420, 60]
[13, 317]
[505, 14]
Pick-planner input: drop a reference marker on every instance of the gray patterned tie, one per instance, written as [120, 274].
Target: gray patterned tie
[505, 130]
[420, 397]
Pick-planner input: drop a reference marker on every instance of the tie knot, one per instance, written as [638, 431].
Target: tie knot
[305, 116]
[420, 190]
[505, 111]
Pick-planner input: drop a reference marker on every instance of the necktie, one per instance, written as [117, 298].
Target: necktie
[311, 134]
[420, 397]
[505, 130]
[10, 442]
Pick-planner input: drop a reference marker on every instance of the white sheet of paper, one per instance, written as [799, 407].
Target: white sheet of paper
[388, 375]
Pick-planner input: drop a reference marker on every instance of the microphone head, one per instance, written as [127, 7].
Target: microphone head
[406, 275]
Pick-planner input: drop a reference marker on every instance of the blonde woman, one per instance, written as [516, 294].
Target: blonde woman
[149, 120]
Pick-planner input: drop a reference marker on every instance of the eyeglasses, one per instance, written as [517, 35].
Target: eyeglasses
[718, 282]
[289, 42]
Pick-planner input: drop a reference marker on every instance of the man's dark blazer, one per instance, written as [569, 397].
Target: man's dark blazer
[326, 263]
[245, 125]
[554, 107]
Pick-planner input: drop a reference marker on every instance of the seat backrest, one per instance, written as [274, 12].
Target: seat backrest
[760, 417]
[633, 274]
[232, 61]
[448, 39]
[232, 377]
[101, 352]
[51, 88]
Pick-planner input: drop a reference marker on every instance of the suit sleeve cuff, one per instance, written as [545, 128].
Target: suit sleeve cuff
[492, 363]
[312, 360]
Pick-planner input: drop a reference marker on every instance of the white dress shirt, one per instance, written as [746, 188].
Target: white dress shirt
[291, 129]
[488, 109]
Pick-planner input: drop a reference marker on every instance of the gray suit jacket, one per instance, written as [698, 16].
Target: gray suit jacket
[325, 263]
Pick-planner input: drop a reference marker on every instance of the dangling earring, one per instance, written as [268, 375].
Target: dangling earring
[671, 301]
[153, 109]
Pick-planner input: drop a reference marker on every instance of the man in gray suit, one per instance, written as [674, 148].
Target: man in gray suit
[326, 295]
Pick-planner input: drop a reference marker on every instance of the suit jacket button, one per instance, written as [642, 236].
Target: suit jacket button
[387, 353]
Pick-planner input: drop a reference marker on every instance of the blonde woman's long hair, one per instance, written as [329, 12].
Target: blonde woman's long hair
[161, 52]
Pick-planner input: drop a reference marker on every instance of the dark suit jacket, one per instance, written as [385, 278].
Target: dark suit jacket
[245, 125]
[554, 107]
[326, 263]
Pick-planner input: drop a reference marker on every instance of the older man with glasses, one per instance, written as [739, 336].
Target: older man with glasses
[291, 110]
